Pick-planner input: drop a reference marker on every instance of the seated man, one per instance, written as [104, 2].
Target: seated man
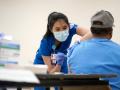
[98, 55]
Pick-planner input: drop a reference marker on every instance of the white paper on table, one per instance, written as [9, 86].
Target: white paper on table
[36, 69]
[17, 75]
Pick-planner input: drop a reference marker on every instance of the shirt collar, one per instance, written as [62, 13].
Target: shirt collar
[100, 39]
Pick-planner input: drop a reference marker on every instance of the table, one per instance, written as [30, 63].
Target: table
[75, 82]
[66, 82]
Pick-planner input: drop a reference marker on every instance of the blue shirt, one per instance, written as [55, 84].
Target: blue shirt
[46, 49]
[96, 56]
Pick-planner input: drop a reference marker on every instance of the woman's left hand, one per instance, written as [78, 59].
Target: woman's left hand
[60, 57]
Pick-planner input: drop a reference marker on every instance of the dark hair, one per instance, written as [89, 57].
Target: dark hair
[101, 31]
[52, 18]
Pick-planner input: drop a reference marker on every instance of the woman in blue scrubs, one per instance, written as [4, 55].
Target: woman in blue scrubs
[57, 39]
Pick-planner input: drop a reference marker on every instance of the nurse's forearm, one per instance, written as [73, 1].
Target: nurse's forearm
[51, 68]
[47, 61]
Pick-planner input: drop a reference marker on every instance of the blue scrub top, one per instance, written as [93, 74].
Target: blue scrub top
[96, 56]
[45, 48]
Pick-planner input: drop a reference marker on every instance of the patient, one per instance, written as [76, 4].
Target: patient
[98, 55]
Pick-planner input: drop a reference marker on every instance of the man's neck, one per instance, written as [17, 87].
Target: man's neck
[102, 36]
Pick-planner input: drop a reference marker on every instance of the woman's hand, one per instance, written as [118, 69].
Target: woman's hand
[60, 57]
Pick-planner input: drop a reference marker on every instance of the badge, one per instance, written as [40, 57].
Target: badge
[53, 59]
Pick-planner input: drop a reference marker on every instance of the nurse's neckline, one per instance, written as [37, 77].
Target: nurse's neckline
[56, 45]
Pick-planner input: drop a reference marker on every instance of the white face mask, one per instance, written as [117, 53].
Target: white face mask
[62, 35]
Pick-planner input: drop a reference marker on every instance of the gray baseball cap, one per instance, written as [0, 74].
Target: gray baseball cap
[104, 17]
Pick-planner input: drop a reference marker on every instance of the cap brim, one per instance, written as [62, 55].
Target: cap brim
[100, 26]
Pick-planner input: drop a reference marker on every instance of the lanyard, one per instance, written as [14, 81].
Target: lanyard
[53, 55]
[54, 47]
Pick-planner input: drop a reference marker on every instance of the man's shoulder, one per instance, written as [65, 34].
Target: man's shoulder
[114, 44]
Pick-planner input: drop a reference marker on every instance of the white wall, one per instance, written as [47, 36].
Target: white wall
[26, 19]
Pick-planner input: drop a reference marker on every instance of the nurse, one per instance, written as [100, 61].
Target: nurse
[57, 39]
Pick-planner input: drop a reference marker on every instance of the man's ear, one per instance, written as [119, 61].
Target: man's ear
[110, 35]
